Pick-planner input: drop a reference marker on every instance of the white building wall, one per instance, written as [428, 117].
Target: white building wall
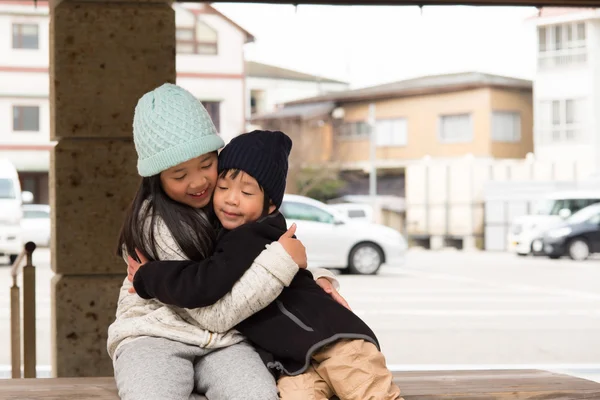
[7, 135]
[575, 81]
[594, 106]
[278, 91]
[230, 92]
[24, 79]
[10, 14]
[227, 61]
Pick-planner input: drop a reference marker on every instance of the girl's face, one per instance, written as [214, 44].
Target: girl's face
[238, 200]
[192, 182]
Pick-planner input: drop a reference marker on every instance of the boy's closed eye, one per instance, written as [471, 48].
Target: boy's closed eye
[178, 178]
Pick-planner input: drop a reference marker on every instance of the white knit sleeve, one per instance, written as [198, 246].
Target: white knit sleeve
[325, 273]
[257, 288]
[260, 285]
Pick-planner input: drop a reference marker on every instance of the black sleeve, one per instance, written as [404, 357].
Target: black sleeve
[192, 284]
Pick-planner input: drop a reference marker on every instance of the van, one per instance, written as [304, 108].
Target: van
[11, 201]
[525, 235]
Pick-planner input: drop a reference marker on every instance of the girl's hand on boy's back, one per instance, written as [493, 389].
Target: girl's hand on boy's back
[133, 266]
[294, 247]
[328, 287]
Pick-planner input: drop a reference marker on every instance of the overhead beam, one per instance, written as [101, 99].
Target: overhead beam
[534, 3]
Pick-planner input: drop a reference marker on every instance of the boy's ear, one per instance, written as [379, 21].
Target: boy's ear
[272, 208]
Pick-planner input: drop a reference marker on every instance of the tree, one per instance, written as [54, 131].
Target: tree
[322, 183]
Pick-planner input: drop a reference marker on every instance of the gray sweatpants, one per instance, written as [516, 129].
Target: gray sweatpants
[161, 369]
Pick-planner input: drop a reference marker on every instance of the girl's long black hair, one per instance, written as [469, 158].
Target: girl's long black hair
[191, 230]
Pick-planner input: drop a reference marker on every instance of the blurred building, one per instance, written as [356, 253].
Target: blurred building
[210, 64]
[269, 87]
[434, 118]
[567, 85]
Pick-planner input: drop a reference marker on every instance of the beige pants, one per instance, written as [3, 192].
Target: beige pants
[349, 369]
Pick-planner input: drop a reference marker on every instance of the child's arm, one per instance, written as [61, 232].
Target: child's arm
[257, 288]
[191, 284]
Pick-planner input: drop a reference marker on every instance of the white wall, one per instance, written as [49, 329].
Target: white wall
[278, 91]
[23, 57]
[229, 92]
[7, 135]
[217, 78]
[594, 45]
[230, 57]
[579, 81]
[452, 191]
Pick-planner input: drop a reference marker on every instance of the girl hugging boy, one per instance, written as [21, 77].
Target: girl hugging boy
[313, 345]
[166, 352]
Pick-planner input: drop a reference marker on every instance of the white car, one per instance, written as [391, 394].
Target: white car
[11, 199]
[354, 211]
[334, 241]
[526, 232]
[35, 224]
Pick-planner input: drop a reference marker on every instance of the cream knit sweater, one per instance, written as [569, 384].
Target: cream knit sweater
[210, 327]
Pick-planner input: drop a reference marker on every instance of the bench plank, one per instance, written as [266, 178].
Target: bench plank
[422, 385]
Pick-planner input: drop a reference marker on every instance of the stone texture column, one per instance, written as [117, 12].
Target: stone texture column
[104, 55]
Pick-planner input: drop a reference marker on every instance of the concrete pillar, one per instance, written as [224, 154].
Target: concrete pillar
[104, 55]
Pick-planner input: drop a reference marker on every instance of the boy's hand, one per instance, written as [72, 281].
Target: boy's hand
[327, 286]
[294, 247]
[133, 267]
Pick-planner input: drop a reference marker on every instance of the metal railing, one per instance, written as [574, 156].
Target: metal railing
[29, 333]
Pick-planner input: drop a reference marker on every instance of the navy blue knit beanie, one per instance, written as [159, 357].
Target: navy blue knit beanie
[262, 155]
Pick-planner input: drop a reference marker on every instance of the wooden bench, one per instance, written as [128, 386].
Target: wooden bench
[433, 385]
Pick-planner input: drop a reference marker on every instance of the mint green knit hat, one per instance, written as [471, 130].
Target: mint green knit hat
[171, 126]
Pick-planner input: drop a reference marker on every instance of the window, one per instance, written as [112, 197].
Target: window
[214, 110]
[305, 212]
[560, 121]
[506, 126]
[31, 214]
[558, 38]
[354, 130]
[391, 132]
[542, 39]
[206, 39]
[185, 40]
[581, 32]
[201, 39]
[257, 101]
[595, 220]
[7, 189]
[456, 128]
[562, 45]
[25, 36]
[26, 118]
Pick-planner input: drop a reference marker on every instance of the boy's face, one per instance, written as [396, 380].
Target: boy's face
[238, 200]
[192, 182]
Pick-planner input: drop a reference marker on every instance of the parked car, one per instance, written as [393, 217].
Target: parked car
[334, 241]
[526, 232]
[354, 211]
[11, 198]
[35, 225]
[577, 237]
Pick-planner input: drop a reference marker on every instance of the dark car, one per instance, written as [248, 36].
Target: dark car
[577, 237]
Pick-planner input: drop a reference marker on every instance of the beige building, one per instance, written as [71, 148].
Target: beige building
[436, 116]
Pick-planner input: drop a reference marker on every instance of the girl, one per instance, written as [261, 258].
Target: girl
[318, 347]
[161, 352]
